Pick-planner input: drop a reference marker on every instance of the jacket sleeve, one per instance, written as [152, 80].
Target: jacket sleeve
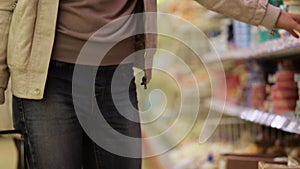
[254, 12]
[6, 9]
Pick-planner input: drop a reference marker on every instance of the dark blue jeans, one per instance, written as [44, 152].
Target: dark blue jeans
[54, 138]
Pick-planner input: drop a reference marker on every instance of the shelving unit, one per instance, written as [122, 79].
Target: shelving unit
[242, 129]
[287, 47]
[284, 123]
[276, 49]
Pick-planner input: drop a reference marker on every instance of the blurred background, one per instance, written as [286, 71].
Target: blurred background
[258, 71]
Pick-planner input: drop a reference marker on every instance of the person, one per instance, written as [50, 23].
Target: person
[40, 43]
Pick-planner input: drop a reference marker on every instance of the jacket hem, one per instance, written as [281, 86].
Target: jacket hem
[27, 86]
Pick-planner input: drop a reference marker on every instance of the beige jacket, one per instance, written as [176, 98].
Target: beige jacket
[27, 29]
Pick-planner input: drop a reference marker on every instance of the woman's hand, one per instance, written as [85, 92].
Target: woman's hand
[289, 22]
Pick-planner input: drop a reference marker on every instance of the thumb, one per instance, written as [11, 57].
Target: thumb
[2, 96]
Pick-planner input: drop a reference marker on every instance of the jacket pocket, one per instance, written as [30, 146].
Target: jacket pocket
[21, 33]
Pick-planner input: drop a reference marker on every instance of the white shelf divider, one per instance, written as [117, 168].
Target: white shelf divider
[280, 122]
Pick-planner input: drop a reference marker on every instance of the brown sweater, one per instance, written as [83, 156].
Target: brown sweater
[79, 19]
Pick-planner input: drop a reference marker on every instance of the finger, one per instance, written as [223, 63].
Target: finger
[293, 33]
[293, 27]
[297, 28]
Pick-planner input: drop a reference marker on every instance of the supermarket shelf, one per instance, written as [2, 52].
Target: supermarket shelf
[275, 49]
[275, 121]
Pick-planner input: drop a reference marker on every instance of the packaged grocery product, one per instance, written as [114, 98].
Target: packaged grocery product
[283, 93]
[238, 161]
[285, 76]
[283, 106]
[232, 83]
[257, 96]
[291, 164]
[283, 109]
[287, 85]
[263, 165]
[242, 34]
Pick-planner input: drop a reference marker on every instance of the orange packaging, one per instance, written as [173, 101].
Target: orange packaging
[285, 104]
[284, 76]
[287, 85]
[284, 94]
[281, 111]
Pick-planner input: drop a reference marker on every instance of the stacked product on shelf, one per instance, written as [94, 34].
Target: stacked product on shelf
[284, 93]
[285, 90]
[232, 84]
[255, 92]
[246, 85]
[276, 2]
[258, 96]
